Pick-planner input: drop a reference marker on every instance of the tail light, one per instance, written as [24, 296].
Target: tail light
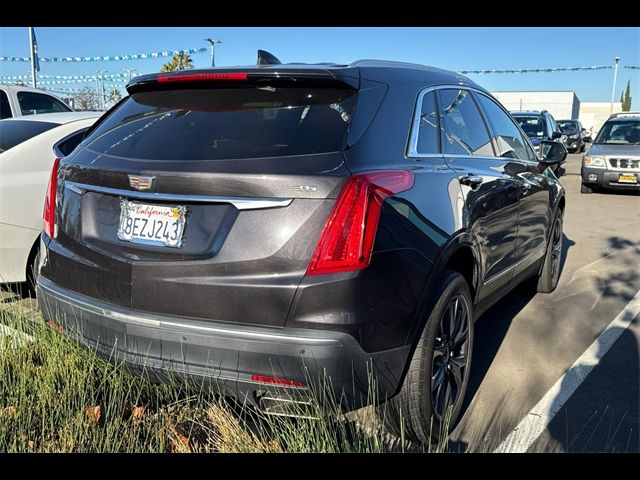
[49, 214]
[347, 239]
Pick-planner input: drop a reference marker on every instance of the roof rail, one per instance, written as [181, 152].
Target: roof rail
[625, 114]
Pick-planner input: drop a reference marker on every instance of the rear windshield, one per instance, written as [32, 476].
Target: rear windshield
[14, 132]
[532, 126]
[211, 124]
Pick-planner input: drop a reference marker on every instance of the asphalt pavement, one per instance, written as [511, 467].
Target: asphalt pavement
[528, 341]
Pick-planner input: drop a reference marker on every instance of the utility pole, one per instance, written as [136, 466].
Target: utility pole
[33, 47]
[615, 78]
[101, 73]
[129, 72]
[213, 49]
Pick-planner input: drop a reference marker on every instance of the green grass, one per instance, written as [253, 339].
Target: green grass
[56, 396]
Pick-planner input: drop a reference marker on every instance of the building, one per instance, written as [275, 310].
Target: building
[594, 114]
[562, 105]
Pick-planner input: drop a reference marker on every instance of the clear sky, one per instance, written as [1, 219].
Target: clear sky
[461, 48]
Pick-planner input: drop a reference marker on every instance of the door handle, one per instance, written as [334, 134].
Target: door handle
[471, 180]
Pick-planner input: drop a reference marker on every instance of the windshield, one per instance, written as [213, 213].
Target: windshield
[568, 127]
[620, 132]
[532, 126]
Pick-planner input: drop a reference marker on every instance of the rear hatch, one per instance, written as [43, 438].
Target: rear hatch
[235, 175]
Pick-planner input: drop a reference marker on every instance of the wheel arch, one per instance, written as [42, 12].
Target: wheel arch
[461, 254]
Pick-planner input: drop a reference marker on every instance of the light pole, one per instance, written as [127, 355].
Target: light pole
[129, 72]
[213, 49]
[615, 78]
[101, 73]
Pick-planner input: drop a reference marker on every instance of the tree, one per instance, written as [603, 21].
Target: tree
[113, 96]
[180, 61]
[626, 98]
[86, 99]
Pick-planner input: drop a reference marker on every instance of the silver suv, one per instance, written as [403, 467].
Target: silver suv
[613, 161]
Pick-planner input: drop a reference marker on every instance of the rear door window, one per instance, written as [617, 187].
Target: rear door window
[226, 123]
[14, 132]
[464, 130]
[32, 103]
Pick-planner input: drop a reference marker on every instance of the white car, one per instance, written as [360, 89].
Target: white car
[28, 148]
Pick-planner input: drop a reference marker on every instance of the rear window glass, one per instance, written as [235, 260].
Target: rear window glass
[14, 132]
[211, 124]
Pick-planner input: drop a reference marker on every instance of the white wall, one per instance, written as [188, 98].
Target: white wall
[562, 105]
[594, 114]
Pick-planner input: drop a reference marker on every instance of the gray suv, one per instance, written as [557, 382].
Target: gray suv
[613, 161]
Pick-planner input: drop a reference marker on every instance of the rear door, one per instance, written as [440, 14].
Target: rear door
[489, 186]
[251, 172]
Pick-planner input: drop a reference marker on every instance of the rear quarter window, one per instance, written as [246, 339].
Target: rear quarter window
[211, 124]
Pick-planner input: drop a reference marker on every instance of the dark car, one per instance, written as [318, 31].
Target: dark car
[575, 134]
[540, 127]
[613, 161]
[259, 228]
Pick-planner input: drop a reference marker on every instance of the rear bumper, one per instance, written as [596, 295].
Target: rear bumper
[225, 356]
[607, 179]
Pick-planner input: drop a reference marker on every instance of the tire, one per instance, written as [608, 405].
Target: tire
[420, 408]
[550, 273]
[586, 188]
[582, 148]
[29, 289]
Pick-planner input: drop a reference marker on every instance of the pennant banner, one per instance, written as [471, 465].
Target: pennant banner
[632, 67]
[66, 77]
[108, 58]
[534, 70]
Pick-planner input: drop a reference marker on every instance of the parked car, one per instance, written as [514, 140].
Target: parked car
[17, 101]
[613, 161]
[28, 148]
[575, 134]
[260, 227]
[540, 127]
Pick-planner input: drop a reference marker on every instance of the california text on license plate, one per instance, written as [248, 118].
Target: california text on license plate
[627, 178]
[151, 224]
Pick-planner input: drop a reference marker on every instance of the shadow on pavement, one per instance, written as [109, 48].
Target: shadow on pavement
[602, 415]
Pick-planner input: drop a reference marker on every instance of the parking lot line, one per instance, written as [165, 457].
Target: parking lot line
[15, 334]
[535, 422]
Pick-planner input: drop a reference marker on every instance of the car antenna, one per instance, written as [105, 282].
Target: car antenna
[266, 58]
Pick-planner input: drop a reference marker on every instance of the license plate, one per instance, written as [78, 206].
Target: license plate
[627, 178]
[151, 224]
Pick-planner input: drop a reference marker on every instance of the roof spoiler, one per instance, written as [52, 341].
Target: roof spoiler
[266, 58]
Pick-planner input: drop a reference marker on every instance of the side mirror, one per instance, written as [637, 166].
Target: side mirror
[587, 140]
[556, 135]
[552, 153]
